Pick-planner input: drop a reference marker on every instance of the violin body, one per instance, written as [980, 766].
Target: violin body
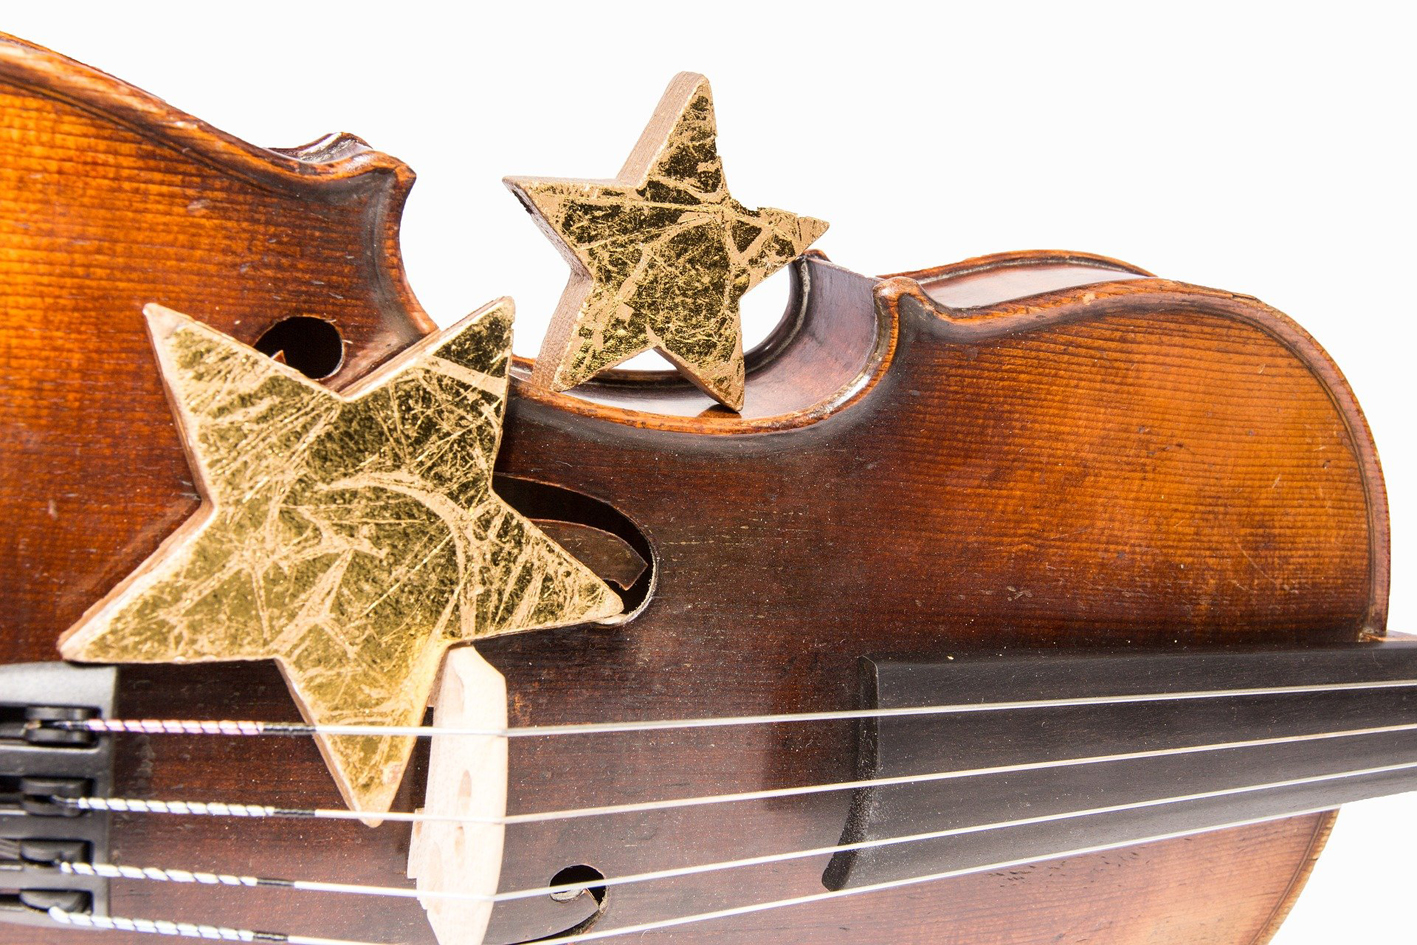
[1030, 451]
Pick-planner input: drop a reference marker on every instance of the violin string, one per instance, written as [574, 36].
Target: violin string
[108, 923]
[253, 728]
[243, 810]
[264, 810]
[751, 908]
[166, 875]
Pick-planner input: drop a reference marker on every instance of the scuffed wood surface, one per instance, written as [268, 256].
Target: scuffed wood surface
[1143, 462]
[113, 200]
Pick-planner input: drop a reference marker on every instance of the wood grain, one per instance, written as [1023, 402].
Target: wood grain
[1134, 461]
[113, 200]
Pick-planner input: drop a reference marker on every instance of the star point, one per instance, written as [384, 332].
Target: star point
[661, 255]
[352, 537]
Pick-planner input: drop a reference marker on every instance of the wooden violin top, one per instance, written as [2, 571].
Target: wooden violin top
[1035, 450]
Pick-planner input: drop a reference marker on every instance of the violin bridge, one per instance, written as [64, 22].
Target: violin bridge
[467, 778]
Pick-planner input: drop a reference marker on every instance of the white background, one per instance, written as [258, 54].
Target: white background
[1260, 149]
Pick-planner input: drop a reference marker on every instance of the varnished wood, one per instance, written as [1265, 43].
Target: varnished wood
[114, 200]
[1135, 461]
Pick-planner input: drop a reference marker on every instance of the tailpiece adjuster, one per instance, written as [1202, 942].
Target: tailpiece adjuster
[40, 766]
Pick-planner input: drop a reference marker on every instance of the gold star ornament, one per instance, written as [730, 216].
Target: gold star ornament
[352, 537]
[661, 255]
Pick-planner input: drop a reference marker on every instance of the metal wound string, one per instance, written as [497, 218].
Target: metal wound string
[640, 928]
[224, 809]
[248, 810]
[255, 728]
[222, 933]
[193, 931]
[159, 874]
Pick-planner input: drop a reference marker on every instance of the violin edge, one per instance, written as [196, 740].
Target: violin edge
[332, 166]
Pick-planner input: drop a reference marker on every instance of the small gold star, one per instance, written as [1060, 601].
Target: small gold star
[661, 255]
[352, 537]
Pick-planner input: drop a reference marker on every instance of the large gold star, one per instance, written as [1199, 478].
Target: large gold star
[352, 537]
[661, 255]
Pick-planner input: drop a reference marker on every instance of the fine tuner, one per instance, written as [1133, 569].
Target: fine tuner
[976, 597]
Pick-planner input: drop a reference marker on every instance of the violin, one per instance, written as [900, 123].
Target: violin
[1031, 598]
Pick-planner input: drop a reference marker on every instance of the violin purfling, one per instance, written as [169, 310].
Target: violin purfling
[1033, 598]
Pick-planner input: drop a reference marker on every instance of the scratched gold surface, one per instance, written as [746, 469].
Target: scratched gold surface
[661, 255]
[351, 537]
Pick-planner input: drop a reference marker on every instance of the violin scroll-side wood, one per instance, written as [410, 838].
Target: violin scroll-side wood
[1039, 452]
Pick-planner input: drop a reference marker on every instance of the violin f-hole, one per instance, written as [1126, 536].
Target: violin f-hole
[598, 534]
[580, 873]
